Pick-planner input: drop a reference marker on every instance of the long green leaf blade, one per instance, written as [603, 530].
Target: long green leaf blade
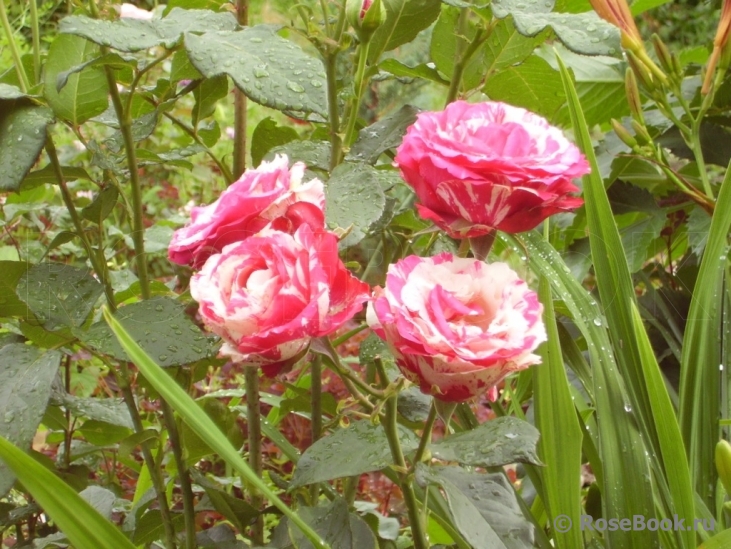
[80, 522]
[201, 424]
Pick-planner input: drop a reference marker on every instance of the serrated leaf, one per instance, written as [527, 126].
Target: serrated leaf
[10, 304]
[533, 85]
[182, 69]
[315, 154]
[584, 33]
[102, 205]
[494, 443]
[160, 327]
[109, 410]
[333, 457]
[207, 94]
[268, 135]
[25, 387]
[483, 506]
[637, 238]
[238, 511]
[354, 197]
[336, 525]
[267, 68]
[84, 94]
[59, 294]
[383, 135]
[404, 20]
[506, 47]
[699, 225]
[48, 175]
[109, 59]
[22, 137]
[131, 35]
[427, 72]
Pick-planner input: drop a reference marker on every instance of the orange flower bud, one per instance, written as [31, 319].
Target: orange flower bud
[720, 43]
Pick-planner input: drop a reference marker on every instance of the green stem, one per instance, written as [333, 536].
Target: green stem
[464, 58]
[123, 380]
[346, 373]
[36, 41]
[336, 144]
[359, 85]
[325, 16]
[138, 229]
[347, 335]
[390, 425]
[96, 263]
[239, 164]
[426, 435]
[316, 413]
[253, 426]
[695, 143]
[185, 486]
[12, 46]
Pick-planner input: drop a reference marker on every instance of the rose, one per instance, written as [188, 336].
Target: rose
[268, 295]
[130, 11]
[271, 192]
[457, 326]
[484, 166]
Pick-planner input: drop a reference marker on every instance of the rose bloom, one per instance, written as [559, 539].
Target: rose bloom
[268, 295]
[456, 326]
[130, 11]
[484, 166]
[271, 192]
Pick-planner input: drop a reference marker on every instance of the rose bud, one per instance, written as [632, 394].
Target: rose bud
[457, 327]
[365, 16]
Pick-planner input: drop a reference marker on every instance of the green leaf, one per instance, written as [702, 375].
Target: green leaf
[10, 304]
[315, 154]
[149, 527]
[58, 294]
[561, 435]
[397, 68]
[161, 327]
[533, 85]
[226, 420]
[102, 205]
[360, 448]
[494, 443]
[85, 94]
[22, 137]
[383, 135]
[26, 376]
[701, 352]
[268, 135]
[101, 433]
[354, 197]
[207, 94]
[404, 20]
[48, 175]
[699, 226]
[640, 6]
[83, 526]
[339, 527]
[583, 33]
[446, 43]
[109, 410]
[506, 47]
[113, 60]
[484, 508]
[238, 511]
[204, 427]
[182, 69]
[136, 34]
[267, 68]
[9, 92]
[638, 237]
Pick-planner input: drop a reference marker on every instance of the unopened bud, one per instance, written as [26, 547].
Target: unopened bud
[641, 133]
[633, 95]
[365, 16]
[720, 47]
[623, 134]
[663, 54]
[641, 73]
[723, 464]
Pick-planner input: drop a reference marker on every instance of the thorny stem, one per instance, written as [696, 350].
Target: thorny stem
[336, 143]
[390, 425]
[344, 372]
[464, 58]
[253, 426]
[185, 487]
[242, 16]
[426, 435]
[36, 38]
[359, 85]
[316, 412]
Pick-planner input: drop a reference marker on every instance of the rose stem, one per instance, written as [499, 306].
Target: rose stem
[359, 85]
[426, 435]
[464, 57]
[390, 425]
[331, 62]
[316, 413]
[239, 165]
[253, 426]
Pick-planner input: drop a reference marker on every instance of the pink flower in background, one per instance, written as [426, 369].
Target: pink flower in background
[268, 295]
[457, 327]
[270, 193]
[484, 166]
[130, 11]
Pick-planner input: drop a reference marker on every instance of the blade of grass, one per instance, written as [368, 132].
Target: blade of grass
[561, 436]
[80, 522]
[202, 425]
[701, 353]
[637, 364]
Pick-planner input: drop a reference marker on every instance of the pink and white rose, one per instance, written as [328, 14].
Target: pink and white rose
[456, 326]
[485, 166]
[268, 295]
[270, 193]
[130, 11]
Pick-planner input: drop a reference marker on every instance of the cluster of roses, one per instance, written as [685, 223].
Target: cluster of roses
[270, 278]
